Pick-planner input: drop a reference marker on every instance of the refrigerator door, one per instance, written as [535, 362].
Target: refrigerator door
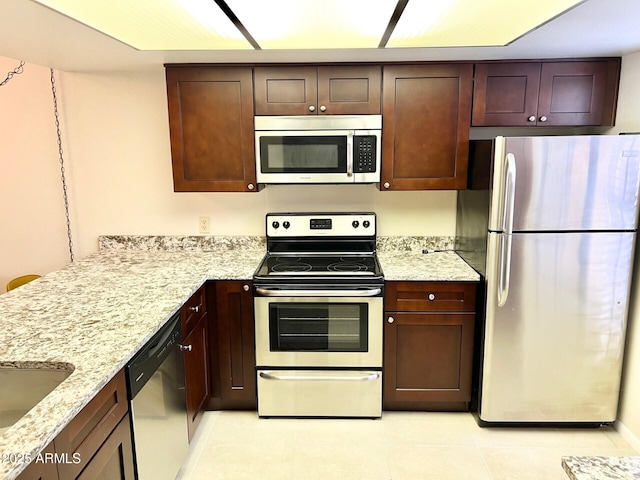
[553, 351]
[567, 183]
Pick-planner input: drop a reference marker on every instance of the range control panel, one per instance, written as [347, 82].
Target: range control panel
[321, 224]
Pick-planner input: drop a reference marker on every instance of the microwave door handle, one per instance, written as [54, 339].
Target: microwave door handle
[350, 154]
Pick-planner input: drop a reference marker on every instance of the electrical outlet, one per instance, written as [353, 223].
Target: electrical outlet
[204, 224]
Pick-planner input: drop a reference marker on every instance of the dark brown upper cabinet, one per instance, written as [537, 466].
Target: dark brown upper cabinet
[317, 90]
[563, 93]
[211, 129]
[426, 112]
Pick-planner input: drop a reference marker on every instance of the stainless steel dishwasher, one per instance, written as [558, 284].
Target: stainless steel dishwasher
[156, 383]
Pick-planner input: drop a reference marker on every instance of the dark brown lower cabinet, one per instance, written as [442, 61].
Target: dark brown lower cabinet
[233, 361]
[197, 374]
[428, 345]
[114, 459]
[95, 445]
[39, 469]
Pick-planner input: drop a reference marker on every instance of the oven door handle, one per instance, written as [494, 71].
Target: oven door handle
[363, 378]
[369, 292]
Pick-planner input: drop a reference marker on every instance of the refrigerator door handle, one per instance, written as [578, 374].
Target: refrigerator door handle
[509, 195]
[507, 223]
[504, 269]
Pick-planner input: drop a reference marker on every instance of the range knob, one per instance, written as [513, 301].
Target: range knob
[355, 224]
[275, 224]
[366, 224]
[286, 224]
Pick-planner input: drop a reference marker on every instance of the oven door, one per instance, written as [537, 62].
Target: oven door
[317, 331]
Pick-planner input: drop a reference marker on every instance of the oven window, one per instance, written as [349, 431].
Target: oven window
[299, 154]
[327, 327]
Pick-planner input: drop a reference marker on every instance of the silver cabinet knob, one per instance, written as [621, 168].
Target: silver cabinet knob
[312, 108]
[251, 186]
[391, 319]
[323, 108]
[195, 309]
[386, 185]
[186, 348]
[245, 288]
[532, 118]
[543, 118]
[431, 297]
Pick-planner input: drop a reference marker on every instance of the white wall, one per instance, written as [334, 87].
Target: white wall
[118, 162]
[33, 235]
[628, 120]
[119, 146]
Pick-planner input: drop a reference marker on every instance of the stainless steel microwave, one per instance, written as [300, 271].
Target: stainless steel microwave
[318, 149]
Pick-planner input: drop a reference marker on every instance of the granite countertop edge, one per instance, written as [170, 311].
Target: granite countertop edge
[95, 314]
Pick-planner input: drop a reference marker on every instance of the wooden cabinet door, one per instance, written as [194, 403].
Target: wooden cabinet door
[41, 470]
[197, 373]
[505, 94]
[285, 90]
[349, 90]
[114, 460]
[425, 133]
[85, 434]
[323, 90]
[233, 360]
[565, 93]
[578, 93]
[211, 129]
[428, 359]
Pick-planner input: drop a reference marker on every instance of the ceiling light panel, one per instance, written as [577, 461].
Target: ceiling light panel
[469, 23]
[314, 24]
[156, 24]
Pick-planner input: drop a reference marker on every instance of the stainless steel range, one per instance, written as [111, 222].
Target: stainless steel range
[318, 313]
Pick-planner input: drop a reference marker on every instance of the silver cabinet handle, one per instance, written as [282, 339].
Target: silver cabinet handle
[431, 297]
[363, 378]
[251, 186]
[391, 320]
[186, 348]
[543, 118]
[368, 292]
[195, 309]
[323, 108]
[532, 118]
[245, 288]
[386, 185]
[312, 108]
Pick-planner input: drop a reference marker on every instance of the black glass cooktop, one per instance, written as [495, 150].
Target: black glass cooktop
[275, 266]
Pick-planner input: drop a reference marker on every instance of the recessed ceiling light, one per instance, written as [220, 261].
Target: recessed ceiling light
[471, 23]
[157, 24]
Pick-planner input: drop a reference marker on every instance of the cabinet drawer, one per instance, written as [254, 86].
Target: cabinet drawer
[92, 426]
[430, 296]
[192, 311]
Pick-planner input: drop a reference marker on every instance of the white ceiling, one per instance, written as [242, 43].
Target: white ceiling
[36, 34]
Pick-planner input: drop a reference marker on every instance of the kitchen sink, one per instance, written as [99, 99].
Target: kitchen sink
[22, 387]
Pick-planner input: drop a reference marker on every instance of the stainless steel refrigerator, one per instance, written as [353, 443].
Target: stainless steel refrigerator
[550, 223]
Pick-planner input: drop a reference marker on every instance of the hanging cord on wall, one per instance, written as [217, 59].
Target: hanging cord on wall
[16, 71]
[64, 180]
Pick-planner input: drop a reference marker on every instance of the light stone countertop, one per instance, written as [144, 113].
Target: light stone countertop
[97, 313]
[602, 468]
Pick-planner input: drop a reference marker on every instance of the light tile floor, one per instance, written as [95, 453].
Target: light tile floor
[400, 446]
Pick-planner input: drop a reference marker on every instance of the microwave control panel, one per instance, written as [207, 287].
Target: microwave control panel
[364, 153]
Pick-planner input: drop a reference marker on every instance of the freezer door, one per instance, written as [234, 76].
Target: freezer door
[553, 352]
[567, 183]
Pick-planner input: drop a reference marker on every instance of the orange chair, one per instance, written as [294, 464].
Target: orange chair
[16, 282]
